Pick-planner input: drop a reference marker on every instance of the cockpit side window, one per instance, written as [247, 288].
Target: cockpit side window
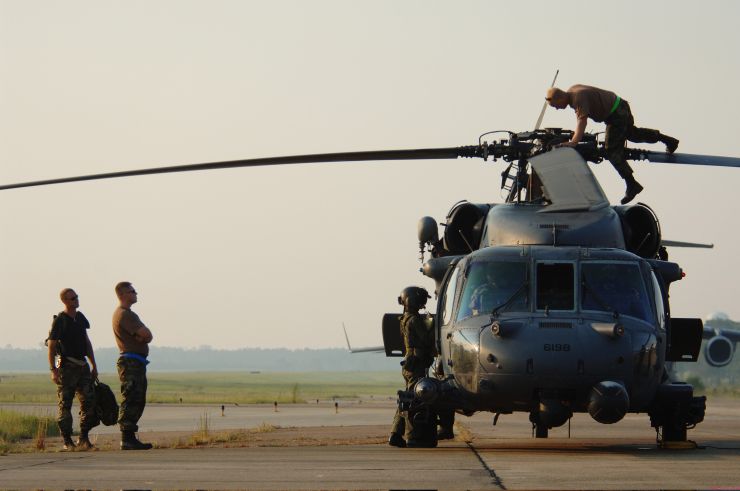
[555, 286]
[450, 296]
[659, 306]
[493, 285]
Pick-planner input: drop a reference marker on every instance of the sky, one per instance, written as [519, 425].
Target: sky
[281, 257]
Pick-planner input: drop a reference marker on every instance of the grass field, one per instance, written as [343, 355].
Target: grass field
[219, 387]
[15, 427]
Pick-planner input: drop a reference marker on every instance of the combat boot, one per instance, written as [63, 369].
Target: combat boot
[396, 440]
[130, 442]
[671, 144]
[633, 189]
[83, 442]
[68, 443]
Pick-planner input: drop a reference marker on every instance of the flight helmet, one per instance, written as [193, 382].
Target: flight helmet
[413, 298]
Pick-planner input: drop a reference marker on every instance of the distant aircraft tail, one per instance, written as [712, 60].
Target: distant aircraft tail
[371, 349]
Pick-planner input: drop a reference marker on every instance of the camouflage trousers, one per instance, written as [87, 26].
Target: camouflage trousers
[401, 424]
[74, 379]
[620, 127]
[132, 374]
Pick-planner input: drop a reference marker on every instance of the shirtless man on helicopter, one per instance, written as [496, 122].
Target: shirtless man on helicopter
[605, 106]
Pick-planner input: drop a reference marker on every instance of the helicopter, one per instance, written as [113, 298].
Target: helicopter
[556, 302]
[578, 318]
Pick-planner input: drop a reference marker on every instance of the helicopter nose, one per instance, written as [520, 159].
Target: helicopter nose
[608, 402]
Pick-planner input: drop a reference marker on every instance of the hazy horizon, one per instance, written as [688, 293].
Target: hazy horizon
[167, 358]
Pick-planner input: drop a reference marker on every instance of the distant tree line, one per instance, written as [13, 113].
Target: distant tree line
[708, 376]
[166, 359]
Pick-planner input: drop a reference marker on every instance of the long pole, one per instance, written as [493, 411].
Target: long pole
[544, 106]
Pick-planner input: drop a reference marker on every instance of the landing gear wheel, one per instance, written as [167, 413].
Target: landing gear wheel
[424, 430]
[674, 433]
[540, 431]
[674, 411]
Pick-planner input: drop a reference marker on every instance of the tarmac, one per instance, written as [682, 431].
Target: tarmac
[581, 455]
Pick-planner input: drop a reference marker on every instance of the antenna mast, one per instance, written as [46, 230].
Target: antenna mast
[544, 106]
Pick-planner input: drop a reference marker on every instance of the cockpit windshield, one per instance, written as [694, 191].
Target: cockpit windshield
[493, 285]
[614, 287]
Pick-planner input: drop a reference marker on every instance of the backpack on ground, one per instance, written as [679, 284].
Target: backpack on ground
[106, 406]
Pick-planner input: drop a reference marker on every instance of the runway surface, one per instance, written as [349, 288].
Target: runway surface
[180, 417]
[597, 456]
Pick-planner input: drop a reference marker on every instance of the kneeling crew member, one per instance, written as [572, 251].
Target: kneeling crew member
[605, 106]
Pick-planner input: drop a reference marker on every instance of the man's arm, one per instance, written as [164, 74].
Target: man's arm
[406, 341]
[580, 130]
[52, 360]
[143, 335]
[415, 334]
[91, 357]
[132, 325]
[577, 134]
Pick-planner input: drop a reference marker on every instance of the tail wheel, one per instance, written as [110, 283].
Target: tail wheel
[539, 430]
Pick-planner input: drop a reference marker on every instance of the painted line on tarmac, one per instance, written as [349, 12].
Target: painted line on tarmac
[496, 480]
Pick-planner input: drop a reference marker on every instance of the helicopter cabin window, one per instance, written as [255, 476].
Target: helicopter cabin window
[493, 286]
[615, 287]
[450, 296]
[555, 286]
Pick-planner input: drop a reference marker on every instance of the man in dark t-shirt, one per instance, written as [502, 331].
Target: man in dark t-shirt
[132, 338]
[69, 345]
[607, 107]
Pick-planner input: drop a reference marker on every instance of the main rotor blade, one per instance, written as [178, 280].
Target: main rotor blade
[678, 243]
[690, 159]
[415, 154]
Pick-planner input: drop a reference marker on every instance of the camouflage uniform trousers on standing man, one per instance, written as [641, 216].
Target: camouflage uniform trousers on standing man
[76, 379]
[132, 374]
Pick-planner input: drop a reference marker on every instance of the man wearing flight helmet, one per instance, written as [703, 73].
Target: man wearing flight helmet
[418, 340]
